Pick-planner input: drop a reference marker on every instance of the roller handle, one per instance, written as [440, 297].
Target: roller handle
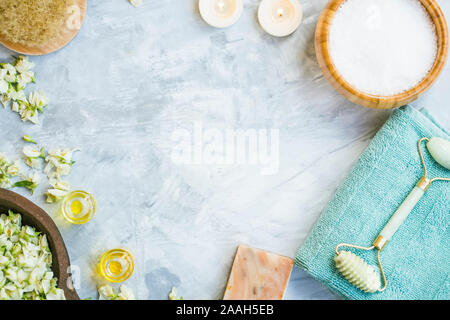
[401, 213]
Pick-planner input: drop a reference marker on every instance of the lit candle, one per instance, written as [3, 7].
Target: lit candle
[220, 13]
[280, 18]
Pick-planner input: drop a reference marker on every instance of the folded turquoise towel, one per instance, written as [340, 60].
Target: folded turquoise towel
[416, 260]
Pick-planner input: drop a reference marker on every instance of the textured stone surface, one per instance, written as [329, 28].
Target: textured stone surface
[132, 77]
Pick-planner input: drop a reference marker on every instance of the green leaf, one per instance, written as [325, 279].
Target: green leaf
[23, 184]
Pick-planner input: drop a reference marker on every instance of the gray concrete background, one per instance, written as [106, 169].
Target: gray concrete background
[132, 77]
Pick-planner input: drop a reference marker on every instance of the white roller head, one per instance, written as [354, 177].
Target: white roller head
[440, 151]
[358, 272]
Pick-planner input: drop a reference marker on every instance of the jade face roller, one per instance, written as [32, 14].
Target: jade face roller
[355, 269]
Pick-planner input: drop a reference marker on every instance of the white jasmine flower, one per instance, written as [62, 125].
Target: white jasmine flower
[136, 3]
[16, 107]
[13, 169]
[30, 182]
[17, 95]
[60, 185]
[33, 163]
[55, 195]
[5, 100]
[4, 86]
[56, 294]
[60, 161]
[11, 72]
[3, 159]
[31, 152]
[29, 115]
[173, 294]
[20, 105]
[3, 294]
[26, 112]
[9, 68]
[66, 155]
[106, 292]
[3, 73]
[8, 169]
[32, 155]
[48, 170]
[5, 182]
[60, 190]
[63, 170]
[38, 99]
[125, 293]
[25, 78]
[23, 65]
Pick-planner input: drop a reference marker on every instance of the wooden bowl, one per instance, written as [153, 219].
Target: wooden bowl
[34, 216]
[69, 32]
[371, 100]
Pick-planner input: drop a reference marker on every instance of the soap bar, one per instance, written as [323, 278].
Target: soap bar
[258, 275]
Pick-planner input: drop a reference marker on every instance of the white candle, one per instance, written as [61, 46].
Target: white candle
[220, 13]
[280, 18]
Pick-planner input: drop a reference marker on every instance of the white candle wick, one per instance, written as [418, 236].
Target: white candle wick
[280, 12]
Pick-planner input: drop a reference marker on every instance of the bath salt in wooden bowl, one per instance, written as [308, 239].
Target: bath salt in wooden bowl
[381, 53]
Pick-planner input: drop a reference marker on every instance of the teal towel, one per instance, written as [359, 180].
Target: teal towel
[416, 260]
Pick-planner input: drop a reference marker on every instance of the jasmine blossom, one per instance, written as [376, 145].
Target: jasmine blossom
[8, 169]
[4, 86]
[173, 294]
[136, 3]
[59, 162]
[31, 152]
[11, 72]
[38, 100]
[29, 182]
[58, 191]
[22, 64]
[32, 155]
[13, 169]
[106, 292]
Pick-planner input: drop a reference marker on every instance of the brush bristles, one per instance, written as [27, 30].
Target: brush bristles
[357, 271]
[33, 22]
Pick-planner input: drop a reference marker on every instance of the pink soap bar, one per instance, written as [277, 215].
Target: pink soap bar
[258, 275]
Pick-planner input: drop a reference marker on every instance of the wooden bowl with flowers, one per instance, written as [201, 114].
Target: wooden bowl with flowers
[35, 217]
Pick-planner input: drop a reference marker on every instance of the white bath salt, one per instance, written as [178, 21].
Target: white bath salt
[383, 47]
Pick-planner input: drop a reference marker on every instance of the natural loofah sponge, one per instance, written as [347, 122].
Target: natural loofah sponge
[33, 22]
